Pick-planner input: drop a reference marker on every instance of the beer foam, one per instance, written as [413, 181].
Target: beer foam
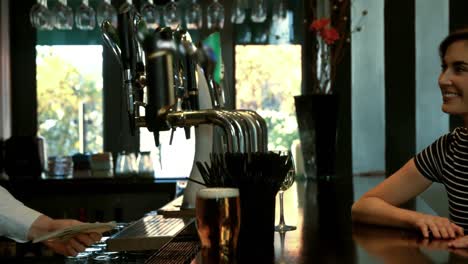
[215, 193]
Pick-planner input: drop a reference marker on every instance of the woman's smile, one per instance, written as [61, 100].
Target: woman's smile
[449, 96]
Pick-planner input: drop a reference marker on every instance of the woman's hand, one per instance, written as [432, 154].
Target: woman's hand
[440, 227]
[69, 247]
[461, 242]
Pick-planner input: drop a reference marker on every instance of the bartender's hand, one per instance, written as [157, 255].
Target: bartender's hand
[439, 227]
[70, 247]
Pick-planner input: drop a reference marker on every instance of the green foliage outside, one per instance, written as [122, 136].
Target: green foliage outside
[62, 87]
[282, 129]
[267, 79]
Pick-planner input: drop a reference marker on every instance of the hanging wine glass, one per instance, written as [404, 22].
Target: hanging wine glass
[194, 16]
[85, 16]
[127, 5]
[150, 14]
[172, 15]
[215, 16]
[259, 11]
[41, 17]
[280, 10]
[238, 13]
[63, 15]
[105, 11]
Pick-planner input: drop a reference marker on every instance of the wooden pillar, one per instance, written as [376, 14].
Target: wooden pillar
[23, 69]
[342, 86]
[400, 82]
[457, 20]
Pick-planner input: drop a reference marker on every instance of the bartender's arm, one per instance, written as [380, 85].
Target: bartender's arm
[380, 205]
[22, 224]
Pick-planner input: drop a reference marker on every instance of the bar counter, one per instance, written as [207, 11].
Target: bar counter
[325, 233]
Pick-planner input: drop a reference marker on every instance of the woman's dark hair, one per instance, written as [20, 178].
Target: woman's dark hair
[455, 36]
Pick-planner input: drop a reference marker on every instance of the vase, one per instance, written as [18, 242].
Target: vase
[317, 116]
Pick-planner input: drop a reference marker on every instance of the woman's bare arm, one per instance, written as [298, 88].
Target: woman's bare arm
[380, 205]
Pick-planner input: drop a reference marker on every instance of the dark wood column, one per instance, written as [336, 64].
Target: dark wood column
[342, 86]
[400, 83]
[457, 20]
[23, 69]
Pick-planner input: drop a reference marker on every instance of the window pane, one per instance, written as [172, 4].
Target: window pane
[267, 78]
[170, 160]
[69, 97]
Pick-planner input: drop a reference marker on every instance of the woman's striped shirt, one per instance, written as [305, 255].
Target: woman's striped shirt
[446, 161]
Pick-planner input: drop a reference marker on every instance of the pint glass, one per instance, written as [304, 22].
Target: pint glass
[218, 220]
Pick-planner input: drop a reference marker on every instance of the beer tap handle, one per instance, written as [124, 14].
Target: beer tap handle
[207, 61]
[187, 132]
[111, 39]
[159, 79]
[189, 73]
[172, 135]
[187, 107]
[128, 55]
[156, 138]
[140, 76]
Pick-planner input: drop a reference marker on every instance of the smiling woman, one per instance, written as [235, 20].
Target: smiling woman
[453, 79]
[445, 161]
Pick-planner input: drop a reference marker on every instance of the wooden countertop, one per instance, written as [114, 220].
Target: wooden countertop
[325, 234]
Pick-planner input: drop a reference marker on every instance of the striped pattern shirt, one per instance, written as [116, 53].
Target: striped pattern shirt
[446, 161]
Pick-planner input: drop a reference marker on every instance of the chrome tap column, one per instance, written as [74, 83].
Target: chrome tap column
[180, 91]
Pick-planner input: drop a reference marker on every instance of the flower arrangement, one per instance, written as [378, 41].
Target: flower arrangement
[332, 37]
[327, 36]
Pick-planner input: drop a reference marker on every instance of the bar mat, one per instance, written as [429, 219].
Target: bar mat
[176, 252]
[174, 209]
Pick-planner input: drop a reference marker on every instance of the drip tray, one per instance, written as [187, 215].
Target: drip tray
[149, 233]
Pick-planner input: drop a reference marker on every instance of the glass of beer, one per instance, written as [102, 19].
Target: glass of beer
[218, 221]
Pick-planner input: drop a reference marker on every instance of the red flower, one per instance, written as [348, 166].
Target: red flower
[324, 30]
[319, 24]
[329, 35]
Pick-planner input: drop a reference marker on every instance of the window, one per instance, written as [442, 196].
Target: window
[69, 98]
[170, 160]
[267, 79]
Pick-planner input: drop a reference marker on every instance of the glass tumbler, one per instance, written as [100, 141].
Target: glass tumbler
[63, 15]
[172, 17]
[145, 165]
[41, 17]
[105, 11]
[125, 165]
[151, 14]
[60, 166]
[194, 16]
[85, 16]
[215, 16]
[259, 11]
[238, 13]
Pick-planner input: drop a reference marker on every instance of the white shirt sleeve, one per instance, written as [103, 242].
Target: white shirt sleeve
[15, 217]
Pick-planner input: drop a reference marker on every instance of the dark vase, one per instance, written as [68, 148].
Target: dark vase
[317, 116]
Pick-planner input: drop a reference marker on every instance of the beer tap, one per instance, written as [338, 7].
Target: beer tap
[160, 49]
[190, 65]
[185, 75]
[181, 91]
[126, 31]
[111, 39]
